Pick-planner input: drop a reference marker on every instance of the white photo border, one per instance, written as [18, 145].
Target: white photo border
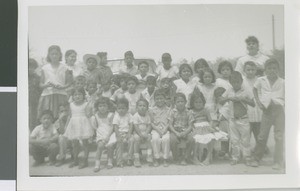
[288, 180]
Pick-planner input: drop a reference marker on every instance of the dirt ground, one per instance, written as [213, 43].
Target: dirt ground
[218, 166]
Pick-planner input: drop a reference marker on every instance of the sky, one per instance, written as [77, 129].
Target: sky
[185, 31]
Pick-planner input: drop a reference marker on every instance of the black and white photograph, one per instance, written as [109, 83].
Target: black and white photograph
[150, 90]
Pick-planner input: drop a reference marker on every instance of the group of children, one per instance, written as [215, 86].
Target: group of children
[170, 114]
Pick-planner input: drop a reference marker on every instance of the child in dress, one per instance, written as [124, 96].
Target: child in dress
[160, 124]
[75, 69]
[239, 98]
[254, 113]
[43, 140]
[132, 95]
[185, 85]
[143, 68]
[142, 128]
[34, 92]
[60, 126]
[200, 65]
[105, 138]
[53, 82]
[148, 93]
[79, 129]
[203, 128]
[122, 123]
[181, 125]
[166, 70]
[225, 69]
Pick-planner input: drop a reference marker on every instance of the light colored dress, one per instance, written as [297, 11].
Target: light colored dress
[185, 88]
[103, 127]
[208, 93]
[79, 126]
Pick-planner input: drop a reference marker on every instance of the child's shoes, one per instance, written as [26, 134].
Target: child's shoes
[83, 165]
[97, 169]
[137, 162]
[155, 163]
[165, 163]
[109, 164]
[234, 162]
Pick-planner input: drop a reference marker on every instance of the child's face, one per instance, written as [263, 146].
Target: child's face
[150, 86]
[128, 60]
[186, 74]
[250, 71]
[271, 70]
[123, 84]
[207, 78]
[103, 108]
[166, 61]
[63, 111]
[71, 59]
[80, 84]
[144, 68]
[46, 120]
[160, 101]
[236, 84]
[54, 55]
[91, 64]
[122, 109]
[92, 88]
[164, 84]
[198, 104]
[78, 97]
[131, 86]
[180, 103]
[252, 47]
[200, 68]
[142, 108]
[169, 101]
[226, 71]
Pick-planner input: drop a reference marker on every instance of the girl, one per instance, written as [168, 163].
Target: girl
[143, 68]
[207, 87]
[122, 124]
[132, 95]
[79, 129]
[53, 82]
[203, 130]
[181, 125]
[105, 138]
[185, 85]
[200, 65]
[75, 69]
[225, 69]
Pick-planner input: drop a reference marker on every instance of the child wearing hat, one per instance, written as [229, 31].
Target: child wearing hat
[92, 72]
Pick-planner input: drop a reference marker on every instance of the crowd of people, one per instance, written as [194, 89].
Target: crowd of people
[173, 115]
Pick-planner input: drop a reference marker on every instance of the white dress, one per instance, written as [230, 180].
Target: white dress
[79, 126]
[208, 93]
[103, 128]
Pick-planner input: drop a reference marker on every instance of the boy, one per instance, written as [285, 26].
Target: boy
[271, 102]
[167, 70]
[148, 93]
[92, 72]
[239, 98]
[43, 140]
[142, 127]
[143, 75]
[254, 113]
[130, 68]
[160, 123]
[132, 95]
[105, 71]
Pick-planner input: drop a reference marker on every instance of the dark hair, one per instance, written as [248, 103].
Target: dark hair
[47, 112]
[151, 80]
[141, 99]
[166, 55]
[102, 100]
[133, 78]
[249, 63]
[200, 62]
[235, 75]
[128, 53]
[219, 91]
[79, 90]
[32, 63]
[116, 79]
[159, 92]
[80, 78]
[54, 47]
[223, 64]
[183, 66]
[195, 96]
[143, 62]
[271, 61]
[123, 101]
[178, 95]
[212, 74]
[91, 81]
[251, 39]
[165, 80]
[124, 77]
[69, 52]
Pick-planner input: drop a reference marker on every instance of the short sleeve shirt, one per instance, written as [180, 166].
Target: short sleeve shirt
[163, 73]
[132, 99]
[259, 59]
[40, 133]
[181, 120]
[123, 122]
[160, 117]
[141, 122]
